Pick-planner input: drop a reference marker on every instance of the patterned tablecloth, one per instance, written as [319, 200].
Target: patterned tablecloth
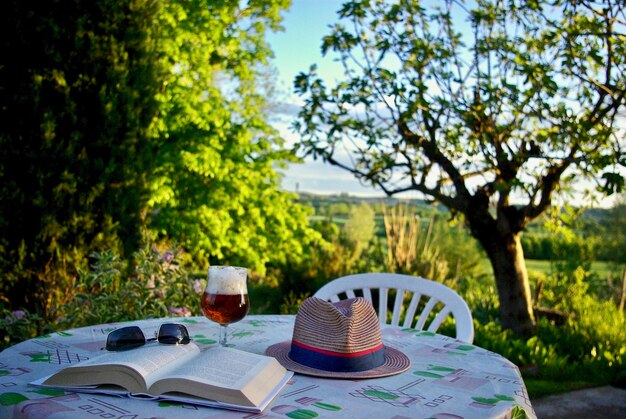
[447, 378]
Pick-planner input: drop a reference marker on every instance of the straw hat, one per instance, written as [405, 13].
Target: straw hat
[338, 340]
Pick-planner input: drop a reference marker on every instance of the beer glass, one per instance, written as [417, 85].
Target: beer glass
[225, 298]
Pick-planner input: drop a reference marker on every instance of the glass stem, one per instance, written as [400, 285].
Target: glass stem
[223, 330]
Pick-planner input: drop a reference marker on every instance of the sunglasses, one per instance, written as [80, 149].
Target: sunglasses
[131, 337]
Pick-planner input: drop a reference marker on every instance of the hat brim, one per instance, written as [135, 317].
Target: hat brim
[395, 363]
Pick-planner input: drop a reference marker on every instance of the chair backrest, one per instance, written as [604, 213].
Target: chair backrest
[405, 286]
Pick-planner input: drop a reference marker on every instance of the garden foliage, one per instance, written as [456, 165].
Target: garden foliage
[586, 346]
[493, 109]
[134, 115]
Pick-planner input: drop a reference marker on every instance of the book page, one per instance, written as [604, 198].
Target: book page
[222, 367]
[159, 357]
[130, 369]
[224, 374]
[149, 358]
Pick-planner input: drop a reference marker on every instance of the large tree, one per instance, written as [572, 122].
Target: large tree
[78, 97]
[491, 108]
[218, 191]
[136, 113]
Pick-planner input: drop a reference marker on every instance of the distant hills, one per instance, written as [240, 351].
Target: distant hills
[319, 201]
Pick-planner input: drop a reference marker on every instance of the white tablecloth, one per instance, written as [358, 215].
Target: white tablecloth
[447, 378]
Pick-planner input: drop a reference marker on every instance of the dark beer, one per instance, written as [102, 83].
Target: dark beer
[224, 309]
[225, 298]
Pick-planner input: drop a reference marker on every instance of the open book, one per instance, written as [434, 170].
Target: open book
[216, 377]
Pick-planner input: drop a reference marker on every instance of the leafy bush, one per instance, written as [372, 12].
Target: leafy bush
[537, 246]
[461, 251]
[589, 347]
[18, 325]
[158, 287]
[577, 351]
[481, 296]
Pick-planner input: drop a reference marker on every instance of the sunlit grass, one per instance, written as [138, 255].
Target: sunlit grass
[604, 270]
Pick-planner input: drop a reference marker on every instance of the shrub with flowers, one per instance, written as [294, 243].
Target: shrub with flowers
[17, 325]
[156, 286]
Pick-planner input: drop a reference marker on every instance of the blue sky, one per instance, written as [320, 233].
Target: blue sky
[295, 49]
[298, 46]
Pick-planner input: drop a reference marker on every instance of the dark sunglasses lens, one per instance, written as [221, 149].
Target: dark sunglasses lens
[173, 333]
[125, 338]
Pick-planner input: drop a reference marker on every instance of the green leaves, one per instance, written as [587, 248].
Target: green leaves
[340, 40]
[534, 73]
[517, 106]
[215, 188]
[157, 286]
[613, 183]
[133, 114]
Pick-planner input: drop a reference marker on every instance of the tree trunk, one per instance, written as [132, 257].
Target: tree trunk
[500, 237]
[509, 268]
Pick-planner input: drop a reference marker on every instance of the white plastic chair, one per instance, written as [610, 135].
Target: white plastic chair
[433, 293]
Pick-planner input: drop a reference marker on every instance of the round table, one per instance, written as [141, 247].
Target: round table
[447, 378]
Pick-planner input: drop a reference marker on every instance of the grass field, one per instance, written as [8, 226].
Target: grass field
[604, 270]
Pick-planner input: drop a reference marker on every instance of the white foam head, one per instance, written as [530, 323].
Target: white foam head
[227, 280]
